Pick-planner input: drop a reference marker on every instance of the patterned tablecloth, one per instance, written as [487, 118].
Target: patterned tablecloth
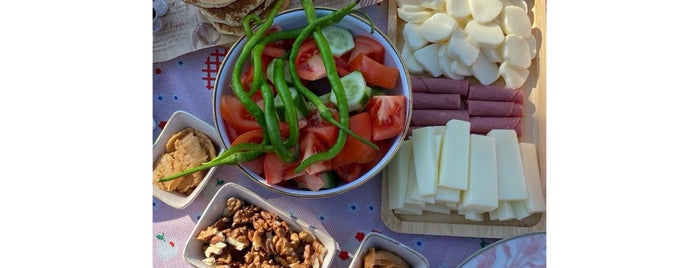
[186, 83]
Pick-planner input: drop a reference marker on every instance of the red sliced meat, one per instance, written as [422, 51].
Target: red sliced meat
[439, 85]
[436, 117]
[427, 101]
[495, 93]
[494, 108]
[484, 124]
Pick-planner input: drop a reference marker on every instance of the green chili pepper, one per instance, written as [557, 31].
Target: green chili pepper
[287, 101]
[232, 159]
[273, 125]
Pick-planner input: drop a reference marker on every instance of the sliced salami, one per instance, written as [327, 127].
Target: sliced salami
[435, 101]
[494, 108]
[483, 124]
[436, 117]
[440, 85]
[495, 93]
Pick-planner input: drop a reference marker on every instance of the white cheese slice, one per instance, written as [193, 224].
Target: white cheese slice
[407, 54]
[413, 17]
[434, 4]
[445, 64]
[531, 42]
[445, 194]
[482, 193]
[484, 34]
[515, 50]
[485, 71]
[460, 69]
[484, 11]
[458, 9]
[402, 3]
[413, 197]
[425, 161]
[492, 54]
[536, 201]
[505, 211]
[516, 21]
[454, 158]
[493, 215]
[397, 175]
[514, 77]
[461, 49]
[428, 59]
[412, 37]
[438, 27]
[511, 182]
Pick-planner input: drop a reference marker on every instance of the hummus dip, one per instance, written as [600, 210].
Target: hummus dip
[186, 149]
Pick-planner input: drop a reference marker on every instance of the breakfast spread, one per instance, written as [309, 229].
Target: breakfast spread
[247, 236]
[185, 149]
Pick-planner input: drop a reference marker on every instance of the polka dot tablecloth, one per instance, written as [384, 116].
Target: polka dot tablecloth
[186, 83]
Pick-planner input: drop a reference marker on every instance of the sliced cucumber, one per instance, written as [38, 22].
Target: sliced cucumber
[341, 40]
[356, 91]
[376, 91]
[299, 102]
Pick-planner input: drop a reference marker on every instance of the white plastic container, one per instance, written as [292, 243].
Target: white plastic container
[381, 241]
[177, 122]
[193, 253]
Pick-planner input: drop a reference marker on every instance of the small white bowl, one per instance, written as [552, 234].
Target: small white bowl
[193, 253]
[177, 122]
[381, 241]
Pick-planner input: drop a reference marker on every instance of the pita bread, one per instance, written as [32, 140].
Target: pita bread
[232, 14]
[209, 3]
[238, 30]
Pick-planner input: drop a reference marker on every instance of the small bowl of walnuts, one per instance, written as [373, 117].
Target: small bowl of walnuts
[240, 228]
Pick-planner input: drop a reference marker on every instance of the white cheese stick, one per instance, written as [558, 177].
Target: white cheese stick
[473, 216]
[397, 175]
[511, 182]
[437, 209]
[454, 158]
[408, 210]
[519, 209]
[446, 194]
[482, 193]
[493, 215]
[413, 197]
[505, 211]
[425, 161]
[536, 202]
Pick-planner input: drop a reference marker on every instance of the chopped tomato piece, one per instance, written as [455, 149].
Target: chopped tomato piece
[342, 66]
[384, 145]
[252, 136]
[309, 63]
[316, 140]
[235, 115]
[387, 115]
[349, 173]
[368, 46]
[313, 182]
[354, 150]
[256, 165]
[375, 73]
[273, 52]
[276, 170]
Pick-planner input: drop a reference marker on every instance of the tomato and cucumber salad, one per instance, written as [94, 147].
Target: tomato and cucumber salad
[375, 114]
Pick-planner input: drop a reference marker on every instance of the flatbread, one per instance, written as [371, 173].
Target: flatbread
[209, 3]
[237, 29]
[232, 14]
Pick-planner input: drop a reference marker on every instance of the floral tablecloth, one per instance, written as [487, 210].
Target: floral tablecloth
[186, 83]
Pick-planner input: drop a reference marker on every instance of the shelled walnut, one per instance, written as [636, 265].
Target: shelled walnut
[247, 236]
